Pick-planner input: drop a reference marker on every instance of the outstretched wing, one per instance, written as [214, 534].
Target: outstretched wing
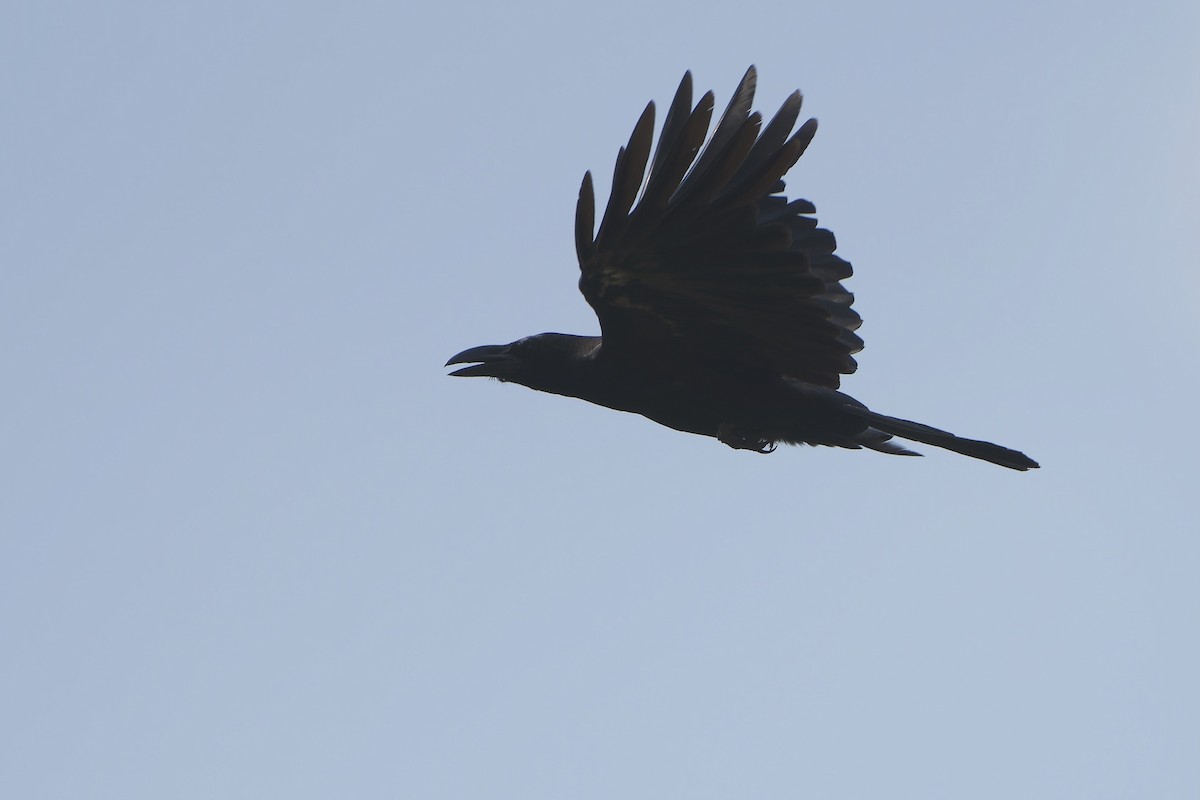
[714, 263]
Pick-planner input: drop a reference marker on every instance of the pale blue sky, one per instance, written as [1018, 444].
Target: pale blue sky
[254, 543]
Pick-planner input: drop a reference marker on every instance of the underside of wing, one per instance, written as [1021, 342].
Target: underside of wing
[713, 262]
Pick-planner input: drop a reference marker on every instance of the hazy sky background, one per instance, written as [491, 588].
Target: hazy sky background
[254, 543]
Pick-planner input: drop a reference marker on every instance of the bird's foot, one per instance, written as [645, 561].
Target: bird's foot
[727, 433]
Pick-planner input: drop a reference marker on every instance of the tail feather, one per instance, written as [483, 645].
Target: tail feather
[925, 434]
[881, 442]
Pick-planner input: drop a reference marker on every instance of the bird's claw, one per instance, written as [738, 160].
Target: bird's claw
[729, 435]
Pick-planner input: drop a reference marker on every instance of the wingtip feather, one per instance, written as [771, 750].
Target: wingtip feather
[585, 219]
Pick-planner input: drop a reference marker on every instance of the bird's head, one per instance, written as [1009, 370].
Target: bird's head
[547, 361]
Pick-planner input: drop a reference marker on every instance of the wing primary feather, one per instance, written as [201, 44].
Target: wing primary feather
[673, 127]
[756, 182]
[731, 123]
[665, 184]
[671, 164]
[627, 179]
[585, 220]
[805, 135]
[703, 184]
[776, 132]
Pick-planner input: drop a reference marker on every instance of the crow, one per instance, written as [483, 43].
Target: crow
[721, 307]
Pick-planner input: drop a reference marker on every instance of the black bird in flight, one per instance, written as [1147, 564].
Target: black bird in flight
[721, 306]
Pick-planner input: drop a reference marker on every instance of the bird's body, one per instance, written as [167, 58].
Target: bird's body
[720, 303]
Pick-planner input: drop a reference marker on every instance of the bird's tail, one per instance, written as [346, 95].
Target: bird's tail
[974, 448]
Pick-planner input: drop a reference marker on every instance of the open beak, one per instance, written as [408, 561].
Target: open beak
[493, 358]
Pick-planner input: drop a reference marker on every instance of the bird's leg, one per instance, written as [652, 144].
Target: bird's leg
[727, 433]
